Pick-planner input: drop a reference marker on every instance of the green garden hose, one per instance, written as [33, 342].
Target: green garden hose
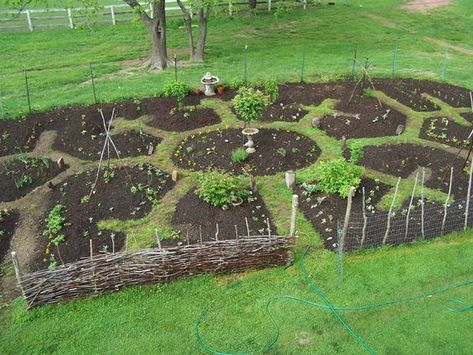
[453, 305]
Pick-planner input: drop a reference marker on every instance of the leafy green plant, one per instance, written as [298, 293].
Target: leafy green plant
[239, 155]
[356, 150]
[23, 181]
[250, 103]
[54, 225]
[108, 174]
[271, 89]
[177, 89]
[2, 233]
[337, 176]
[221, 189]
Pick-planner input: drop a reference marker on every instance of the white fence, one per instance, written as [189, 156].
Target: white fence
[112, 14]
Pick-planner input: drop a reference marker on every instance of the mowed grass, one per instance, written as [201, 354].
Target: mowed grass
[162, 318]
[327, 34]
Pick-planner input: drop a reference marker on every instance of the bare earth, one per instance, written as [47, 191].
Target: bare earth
[425, 5]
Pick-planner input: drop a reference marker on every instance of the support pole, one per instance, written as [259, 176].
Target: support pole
[200, 234]
[346, 221]
[446, 201]
[112, 12]
[16, 266]
[467, 208]
[230, 9]
[69, 16]
[245, 74]
[295, 204]
[216, 232]
[247, 227]
[365, 220]
[158, 242]
[112, 236]
[93, 82]
[269, 5]
[28, 19]
[91, 249]
[27, 91]
[388, 225]
[410, 205]
[175, 67]
[269, 227]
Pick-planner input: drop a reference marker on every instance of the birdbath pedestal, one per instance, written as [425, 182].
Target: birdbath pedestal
[249, 133]
[209, 81]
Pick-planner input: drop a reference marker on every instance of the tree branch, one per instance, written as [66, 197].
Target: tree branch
[136, 5]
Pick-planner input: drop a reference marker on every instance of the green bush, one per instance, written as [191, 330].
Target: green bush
[250, 103]
[239, 155]
[356, 152]
[271, 89]
[337, 177]
[221, 189]
[176, 89]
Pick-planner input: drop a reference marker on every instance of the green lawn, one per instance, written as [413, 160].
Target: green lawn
[162, 318]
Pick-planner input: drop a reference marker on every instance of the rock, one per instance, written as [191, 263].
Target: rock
[61, 163]
[175, 175]
[150, 149]
[290, 179]
[343, 143]
[316, 122]
[400, 129]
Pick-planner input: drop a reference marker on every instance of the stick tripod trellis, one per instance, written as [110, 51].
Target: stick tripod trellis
[362, 81]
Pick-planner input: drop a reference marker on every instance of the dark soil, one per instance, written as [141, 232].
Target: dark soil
[21, 175]
[123, 197]
[276, 150]
[409, 91]
[445, 131]
[192, 212]
[280, 111]
[8, 224]
[468, 116]
[166, 116]
[324, 210]
[404, 159]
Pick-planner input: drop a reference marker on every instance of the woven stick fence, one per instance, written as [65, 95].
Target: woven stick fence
[114, 271]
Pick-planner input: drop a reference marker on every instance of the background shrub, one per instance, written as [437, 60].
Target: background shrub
[250, 103]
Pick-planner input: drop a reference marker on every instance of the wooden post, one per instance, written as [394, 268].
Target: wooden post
[365, 219]
[410, 205]
[295, 204]
[247, 227]
[236, 232]
[112, 12]
[158, 242]
[305, 4]
[230, 8]
[388, 225]
[91, 249]
[422, 203]
[446, 201]
[468, 197]
[269, 227]
[28, 19]
[69, 16]
[216, 232]
[27, 91]
[113, 242]
[200, 234]
[16, 266]
[269, 5]
[187, 236]
[126, 243]
[347, 215]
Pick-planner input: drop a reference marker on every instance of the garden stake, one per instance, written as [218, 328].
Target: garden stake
[303, 64]
[410, 205]
[157, 239]
[200, 234]
[27, 91]
[175, 67]
[236, 232]
[354, 62]
[245, 75]
[346, 221]
[422, 203]
[126, 243]
[269, 228]
[187, 236]
[91, 250]
[216, 232]
[295, 204]
[446, 201]
[112, 236]
[468, 197]
[363, 231]
[388, 225]
[93, 82]
[394, 60]
[444, 65]
[247, 227]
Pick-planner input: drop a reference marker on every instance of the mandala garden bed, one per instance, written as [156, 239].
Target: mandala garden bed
[281, 111]
[276, 150]
[191, 212]
[445, 131]
[21, 174]
[404, 159]
[324, 210]
[8, 222]
[122, 193]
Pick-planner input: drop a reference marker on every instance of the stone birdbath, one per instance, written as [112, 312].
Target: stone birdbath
[249, 133]
[209, 81]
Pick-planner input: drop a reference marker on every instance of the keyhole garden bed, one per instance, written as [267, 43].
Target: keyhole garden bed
[8, 222]
[20, 174]
[276, 150]
[78, 204]
[446, 131]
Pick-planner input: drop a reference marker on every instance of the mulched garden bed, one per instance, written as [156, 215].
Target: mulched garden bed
[324, 210]
[8, 222]
[192, 212]
[21, 174]
[276, 150]
[468, 116]
[166, 116]
[404, 159]
[281, 111]
[122, 193]
[445, 131]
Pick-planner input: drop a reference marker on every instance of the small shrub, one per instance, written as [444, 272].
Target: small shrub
[338, 176]
[238, 83]
[271, 89]
[221, 189]
[177, 89]
[239, 155]
[356, 152]
[250, 104]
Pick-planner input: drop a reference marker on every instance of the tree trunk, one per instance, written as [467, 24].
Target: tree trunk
[251, 7]
[157, 29]
[203, 26]
[188, 26]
